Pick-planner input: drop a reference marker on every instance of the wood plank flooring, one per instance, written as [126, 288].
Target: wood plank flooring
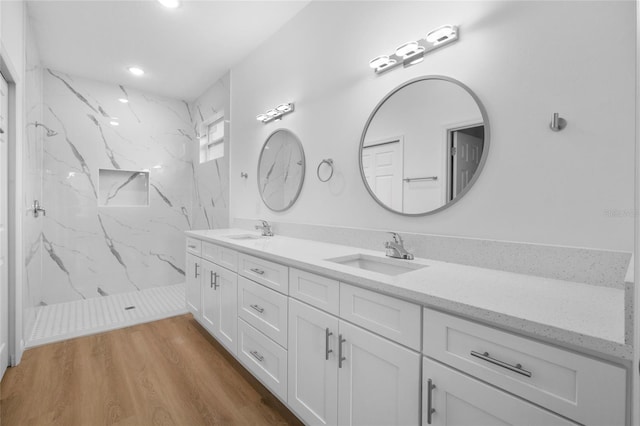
[168, 372]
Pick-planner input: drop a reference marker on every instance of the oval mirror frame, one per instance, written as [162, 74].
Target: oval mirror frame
[483, 159]
[302, 171]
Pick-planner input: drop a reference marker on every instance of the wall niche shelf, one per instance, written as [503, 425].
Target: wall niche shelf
[123, 188]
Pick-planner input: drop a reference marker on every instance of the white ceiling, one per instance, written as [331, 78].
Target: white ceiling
[183, 51]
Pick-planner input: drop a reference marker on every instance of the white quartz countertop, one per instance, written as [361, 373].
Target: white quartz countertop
[571, 314]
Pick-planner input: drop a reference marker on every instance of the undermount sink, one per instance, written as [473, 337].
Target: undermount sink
[243, 237]
[381, 265]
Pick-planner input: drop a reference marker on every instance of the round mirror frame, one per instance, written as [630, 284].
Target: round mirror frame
[303, 171]
[483, 159]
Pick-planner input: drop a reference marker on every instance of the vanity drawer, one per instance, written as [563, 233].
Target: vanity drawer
[264, 358]
[321, 292]
[576, 386]
[221, 256]
[194, 246]
[392, 318]
[270, 274]
[264, 309]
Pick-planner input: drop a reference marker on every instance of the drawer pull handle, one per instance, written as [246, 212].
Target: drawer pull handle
[327, 351]
[257, 271]
[515, 368]
[257, 308]
[214, 280]
[197, 274]
[340, 357]
[430, 409]
[257, 356]
[192, 247]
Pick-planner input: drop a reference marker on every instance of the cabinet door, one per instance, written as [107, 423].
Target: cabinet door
[378, 380]
[460, 400]
[193, 287]
[313, 364]
[210, 296]
[222, 286]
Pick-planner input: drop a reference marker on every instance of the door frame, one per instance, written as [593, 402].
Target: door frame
[15, 255]
[447, 130]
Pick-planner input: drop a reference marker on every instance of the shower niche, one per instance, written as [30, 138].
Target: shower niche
[123, 188]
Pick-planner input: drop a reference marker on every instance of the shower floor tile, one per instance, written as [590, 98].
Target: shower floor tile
[83, 317]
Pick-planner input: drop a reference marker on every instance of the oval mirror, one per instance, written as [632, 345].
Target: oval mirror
[424, 146]
[281, 170]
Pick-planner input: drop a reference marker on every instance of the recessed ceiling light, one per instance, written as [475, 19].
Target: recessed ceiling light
[114, 123]
[124, 100]
[170, 4]
[136, 71]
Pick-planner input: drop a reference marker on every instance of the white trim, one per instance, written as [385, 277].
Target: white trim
[635, 367]
[16, 118]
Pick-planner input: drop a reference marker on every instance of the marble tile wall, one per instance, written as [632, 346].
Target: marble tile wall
[211, 179]
[32, 184]
[91, 250]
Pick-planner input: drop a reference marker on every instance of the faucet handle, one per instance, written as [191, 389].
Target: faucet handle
[396, 237]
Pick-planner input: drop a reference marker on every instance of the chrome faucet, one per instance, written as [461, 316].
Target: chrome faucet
[396, 248]
[265, 228]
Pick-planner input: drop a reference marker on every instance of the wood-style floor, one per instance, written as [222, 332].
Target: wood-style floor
[168, 372]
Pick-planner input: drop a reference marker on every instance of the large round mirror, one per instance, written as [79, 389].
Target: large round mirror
[281, 170]
[424, 146]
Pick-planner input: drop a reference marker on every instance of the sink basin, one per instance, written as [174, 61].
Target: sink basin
[381, 265]
[243, 237]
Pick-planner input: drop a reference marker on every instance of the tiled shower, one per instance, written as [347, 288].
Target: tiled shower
[117, 172]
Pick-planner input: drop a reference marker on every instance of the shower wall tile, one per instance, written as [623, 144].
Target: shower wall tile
[91, 250]
[32, 152]
[211, 179]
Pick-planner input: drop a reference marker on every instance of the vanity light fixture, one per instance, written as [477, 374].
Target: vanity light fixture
[275, 113]
[412, 52]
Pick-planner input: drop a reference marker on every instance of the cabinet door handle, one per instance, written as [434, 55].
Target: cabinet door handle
[257, 355]
[192, 246]
[197, 274]
[430, 409]
[258, 308]
[214, 280]
[515, 368]
[340, 357]
[257, 271]
[327, 351]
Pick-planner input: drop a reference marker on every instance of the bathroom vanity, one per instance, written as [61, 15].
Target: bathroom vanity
[344, 335]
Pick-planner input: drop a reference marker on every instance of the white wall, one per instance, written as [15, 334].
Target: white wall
[524, 60]
[12, 37]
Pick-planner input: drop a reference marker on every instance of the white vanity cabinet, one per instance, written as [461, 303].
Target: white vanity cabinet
[342, 374]
[193, 286]
[583, 389]
[456, 399]
[339, 354]
[212, 290]
[219, 303]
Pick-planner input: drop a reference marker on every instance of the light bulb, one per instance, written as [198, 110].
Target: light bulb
[136, 71]
[283, 107]
[124, 100]
[272, 113]
[170, 4]
[261, 117]
[441, 34]
[409, 49]
[114, 123]
[381, 62]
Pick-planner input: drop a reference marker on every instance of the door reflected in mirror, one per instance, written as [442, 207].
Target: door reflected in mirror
[281, 170]
[424, 146]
